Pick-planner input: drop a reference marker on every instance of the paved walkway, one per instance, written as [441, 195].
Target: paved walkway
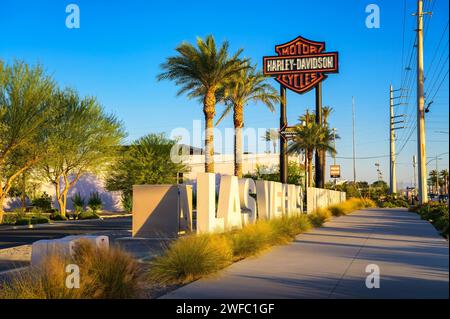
[330, 262]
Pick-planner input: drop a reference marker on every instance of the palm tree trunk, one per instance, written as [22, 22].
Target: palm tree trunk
[238, 125]
[318, 176]
[209, 110]
[323, 165]
[310, 168]
[305, 168]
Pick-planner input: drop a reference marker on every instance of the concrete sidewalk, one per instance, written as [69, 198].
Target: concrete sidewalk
[330, 262]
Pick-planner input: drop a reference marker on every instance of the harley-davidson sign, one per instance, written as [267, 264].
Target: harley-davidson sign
[301, 64]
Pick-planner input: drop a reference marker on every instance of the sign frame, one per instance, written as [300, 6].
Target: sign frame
[316, 49]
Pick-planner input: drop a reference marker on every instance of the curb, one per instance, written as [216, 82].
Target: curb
[55, 223]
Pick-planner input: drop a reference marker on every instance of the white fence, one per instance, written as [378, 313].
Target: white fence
[321, 198]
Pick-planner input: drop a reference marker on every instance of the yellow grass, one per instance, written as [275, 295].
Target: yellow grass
[103, 274]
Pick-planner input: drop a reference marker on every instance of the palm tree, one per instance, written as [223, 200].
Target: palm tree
[311, 137]
[326, 112]
[244, 87]
[444, 177]
[434, 180]
[202, 71]
[273, 136]
[305, 119]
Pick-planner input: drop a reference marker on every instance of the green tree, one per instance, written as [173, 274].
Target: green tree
[202, 71]
[444, 178]
[83, 139]
[145, 161]
[25, 106]
[244, 87]
[310, 137]
[296, 173]
[434, 180]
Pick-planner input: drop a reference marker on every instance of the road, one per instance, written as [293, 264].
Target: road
[16, 237]
[330, 262]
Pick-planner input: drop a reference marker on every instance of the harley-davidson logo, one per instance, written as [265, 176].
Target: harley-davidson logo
[301, 64]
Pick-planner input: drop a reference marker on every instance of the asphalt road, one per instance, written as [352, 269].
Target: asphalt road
[17, 237]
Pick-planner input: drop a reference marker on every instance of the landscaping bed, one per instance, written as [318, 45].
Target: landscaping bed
[117, 274]
[436, 214]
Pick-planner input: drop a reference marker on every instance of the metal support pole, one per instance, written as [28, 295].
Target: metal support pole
[283, 141]
[319, 176]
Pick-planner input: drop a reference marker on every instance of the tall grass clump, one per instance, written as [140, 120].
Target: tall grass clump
[103, 274]
[46, 281]
[350, 205]
[251, 239]
[192, 257]
[285, 229]
[109, 273]
[319, 217]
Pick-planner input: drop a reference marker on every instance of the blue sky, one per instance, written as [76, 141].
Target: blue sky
[116, 54]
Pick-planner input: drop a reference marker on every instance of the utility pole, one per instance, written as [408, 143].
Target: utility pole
[421, 146]
[437, 176]
[415, 177]
[392, 129]
[354, 150]
[393, 173]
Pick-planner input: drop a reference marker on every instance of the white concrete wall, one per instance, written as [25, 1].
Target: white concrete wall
[322, 198]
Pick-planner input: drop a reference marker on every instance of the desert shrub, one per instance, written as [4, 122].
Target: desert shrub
[108, 273]
[251, 239]
[95, 202]
[45, 281]
[127, 202]
[57, 217]
[9, 219]
[43, 202]
[319, 217]
[337, 210]
[32, 218]
[23, 221]
[78, 203]
[437, 214]
[393, 201]
[88, 214]
[285, 229]
[104, 274]
[192, 257]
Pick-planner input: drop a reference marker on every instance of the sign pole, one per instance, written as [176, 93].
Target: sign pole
[318, 160]
[283, 140]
